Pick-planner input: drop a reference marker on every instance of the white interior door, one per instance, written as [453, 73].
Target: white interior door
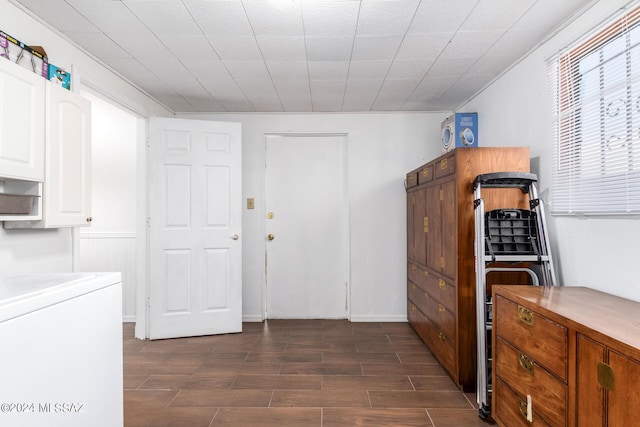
[307, 216]
[195, 251]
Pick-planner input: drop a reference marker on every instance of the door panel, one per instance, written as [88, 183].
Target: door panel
[307, 260]
[195, 252]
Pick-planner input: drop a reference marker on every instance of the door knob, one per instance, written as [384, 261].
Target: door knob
[270, 236]
[235, 237]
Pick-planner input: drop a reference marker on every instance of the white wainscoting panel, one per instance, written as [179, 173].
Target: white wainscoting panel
[106, 251]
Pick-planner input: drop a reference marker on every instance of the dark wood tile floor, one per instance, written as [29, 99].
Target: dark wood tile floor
[297, 373]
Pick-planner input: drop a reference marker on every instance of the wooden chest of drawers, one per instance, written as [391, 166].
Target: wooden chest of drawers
[564, 356]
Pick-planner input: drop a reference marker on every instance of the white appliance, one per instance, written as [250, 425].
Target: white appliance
[61, 357]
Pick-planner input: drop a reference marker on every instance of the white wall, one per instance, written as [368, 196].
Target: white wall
[51, 250]
[110, 243]
[596, 252]
[381, 149]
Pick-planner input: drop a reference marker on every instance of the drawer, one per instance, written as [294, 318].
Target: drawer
[417, 274]
[437, 341]
[443, 318]
[445, 166]
[508, 408]
[425, 174]
[412, 179]
[526, 377]
[442, 291]
[543, 340]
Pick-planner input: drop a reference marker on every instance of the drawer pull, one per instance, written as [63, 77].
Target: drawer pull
[426, 273]
[441, 284]
[526, 363]
[525, 408]
[441, 308]
[425, 172]
[413, 308]
[413, 267]
[525, 315]
[413, 286]
[442, 336]
[425, 224]
[443, 164]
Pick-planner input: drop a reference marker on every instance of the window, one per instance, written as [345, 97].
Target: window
[596, 153]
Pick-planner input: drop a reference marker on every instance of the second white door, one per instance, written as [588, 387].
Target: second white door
[307, 244]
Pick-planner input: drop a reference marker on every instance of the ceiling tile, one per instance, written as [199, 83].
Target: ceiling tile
[401, 69]
[279, 48]
[164, 16]
[385, 17]
[109, 16]
[205, 103]
[369, 69]
[177, 101]
[423, 46]
[428, 92]
[99, 45]
[361, 94]
[261, 94]
[327, 95]
[188, 47]
[470, 44]
[328, 48]
[140, 46]
[220, 18]
[294, 94]
[496, 15]
[436, 16]
[247, 70]
[327, 70]
[274, 19]
[288, 70]
[393, 93]
[451, 67]
[60, 15]
[375, 47]
[205, 69]
[538, 16]
[330, 18]
[244, 48]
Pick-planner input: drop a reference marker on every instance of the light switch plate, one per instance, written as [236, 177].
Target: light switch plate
[250, 203]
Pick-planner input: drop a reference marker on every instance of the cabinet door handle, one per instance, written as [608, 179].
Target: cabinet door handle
[89, 219]
[441, 284]
[525, 315]
[441, 308]
[526, 363]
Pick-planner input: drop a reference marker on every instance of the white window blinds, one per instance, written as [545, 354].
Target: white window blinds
[596, 153]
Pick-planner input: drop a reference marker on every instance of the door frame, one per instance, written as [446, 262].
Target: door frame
[347, 182]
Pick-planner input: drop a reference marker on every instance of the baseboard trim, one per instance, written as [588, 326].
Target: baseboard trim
[252, 318]
[378, 318]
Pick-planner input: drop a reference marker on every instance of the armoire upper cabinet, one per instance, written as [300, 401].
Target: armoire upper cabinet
[22, 123]
[65, 143]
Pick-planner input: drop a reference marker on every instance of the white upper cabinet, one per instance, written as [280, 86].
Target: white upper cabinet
[22, 126]
[67, 184]
[45, 137]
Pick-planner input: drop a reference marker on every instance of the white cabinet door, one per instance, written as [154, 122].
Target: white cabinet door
[21, 123]
[67, 187]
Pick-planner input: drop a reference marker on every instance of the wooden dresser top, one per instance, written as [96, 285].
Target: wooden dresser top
[586, 310]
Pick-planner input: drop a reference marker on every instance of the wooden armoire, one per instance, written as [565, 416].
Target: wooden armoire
[440, 249]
